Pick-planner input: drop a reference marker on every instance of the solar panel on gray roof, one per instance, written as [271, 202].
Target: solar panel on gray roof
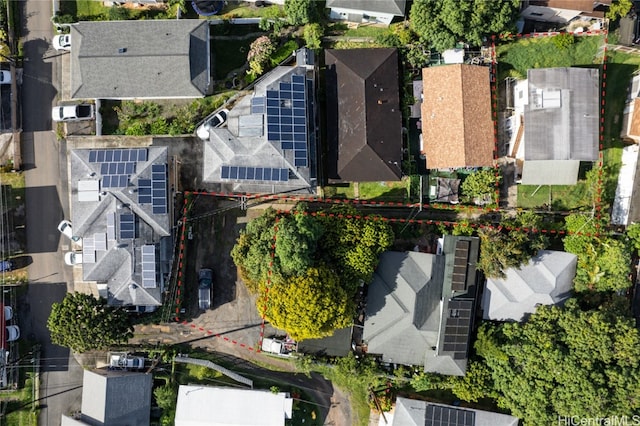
[142, 154]
[100, 157]
[297, 78]
[108, 155]
[88, 250]
[117, 154]
[437, 415]
[100, 239]
[458, 327]
[460, 261]
[125, 155]
[93, 156]
[127, 226]
[159, 188]
[148, 266]
[111, 226]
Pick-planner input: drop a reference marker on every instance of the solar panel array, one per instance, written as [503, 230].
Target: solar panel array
[111, 226]
[159, 188]
[127, 226]
[458, 327]
[287, 118]
[460, 260]
[257, 105]
[148, 266]
[88, 250]
[437, 415]
[254, 173]
[117, 165]
[144, 191]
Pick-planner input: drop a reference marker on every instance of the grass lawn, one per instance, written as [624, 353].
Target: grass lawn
[515, 58]
[379, 191]
[563, 197]
[244, 10]
[18, 408]
[620, 67]
[90, 8]
[229, 55]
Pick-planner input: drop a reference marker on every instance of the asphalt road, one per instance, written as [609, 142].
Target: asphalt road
[44, 163]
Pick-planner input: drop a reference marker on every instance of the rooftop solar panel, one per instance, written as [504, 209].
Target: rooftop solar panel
[127, 226]
[437, 415]
[93, 156]
[148, 266]
[100, 239]
[142, 155]
[125, 155]
[108, 155]
[117, 155]
[88, 250]
[100, 157]
[297, 79]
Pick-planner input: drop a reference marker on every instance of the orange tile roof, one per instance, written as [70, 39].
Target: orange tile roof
[457, 128]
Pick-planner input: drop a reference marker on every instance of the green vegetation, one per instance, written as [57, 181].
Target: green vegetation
[559, 197]
[378, 191]
[83, 323]
[91, 10]
[443, 23]
[20, 410]
[283, 52]
[301, 12]
[564, 362]
[229, 55]
[618, 9]
[620, 69]
[247, 10]
[481, 186]
[290, 260]
[510, 245]
[516, 57]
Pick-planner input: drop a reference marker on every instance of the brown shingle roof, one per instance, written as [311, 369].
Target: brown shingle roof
[582, 5]
[634, 128]
[457, 128]
[364, 122]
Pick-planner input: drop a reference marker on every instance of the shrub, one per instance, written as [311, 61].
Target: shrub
[259, 53]
[313, 35]
[564, 40]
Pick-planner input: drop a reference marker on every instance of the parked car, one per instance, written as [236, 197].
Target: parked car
[205, 279]
[67, 230]
[61, 42]
[6, 265]
[72, 258]
[75, 112]
[126, 362]
[215, 121]
[13, 333]
[5, 77]
[8, 313]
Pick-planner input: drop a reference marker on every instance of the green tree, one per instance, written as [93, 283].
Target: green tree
[300, 12]
[309, 306]
[633, 235]
[313, 35]
[297, 235]
[83, 323]
[442, 23]
[511, 245]
[564, 362]
[259, 52]
[618, 9]
[481, 185]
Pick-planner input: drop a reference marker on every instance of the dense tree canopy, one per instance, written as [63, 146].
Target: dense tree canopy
[442, 23]
[82, 323]
[564, 362]
[309, 306]
[511, 245]
[281, 255]
[300, 12]
[481, 185]
[603, 261]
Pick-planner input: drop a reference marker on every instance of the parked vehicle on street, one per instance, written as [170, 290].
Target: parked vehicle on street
[67, 230]
[6, 265]
[75, 112]
[72, 258]
[216, 120]
[13, 333]
[205, 280]
[61, 42]
[5, 77]
[8, 313]
[126, 362]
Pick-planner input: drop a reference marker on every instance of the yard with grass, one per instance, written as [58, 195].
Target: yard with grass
[18, 405]
[378, 191]
[515, 58]
[229, 55]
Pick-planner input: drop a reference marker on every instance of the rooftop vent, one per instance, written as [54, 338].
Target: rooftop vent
[122, 50]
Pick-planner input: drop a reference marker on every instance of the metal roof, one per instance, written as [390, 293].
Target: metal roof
[391, 7]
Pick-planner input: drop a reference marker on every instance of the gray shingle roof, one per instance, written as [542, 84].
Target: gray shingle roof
[243, 141]
[140, 59]
[561, 118]
[392, 7]
[120, 264]
[550, 172]
[407, 308]
[411, 412]
[364, 122]
[116, 398]
[547, 279]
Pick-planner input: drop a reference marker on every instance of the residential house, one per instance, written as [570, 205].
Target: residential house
[457, 128]
[364, 121]
[216, 406]
[268, 144]
[121, 208]
[113, 398]
[420, 307]
[366, 11]
[631, 115]
[556, 114]
[142, 59]
[412, 412]
[547, 279]
[563, 11]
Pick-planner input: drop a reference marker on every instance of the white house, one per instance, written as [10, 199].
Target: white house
[366, 11]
